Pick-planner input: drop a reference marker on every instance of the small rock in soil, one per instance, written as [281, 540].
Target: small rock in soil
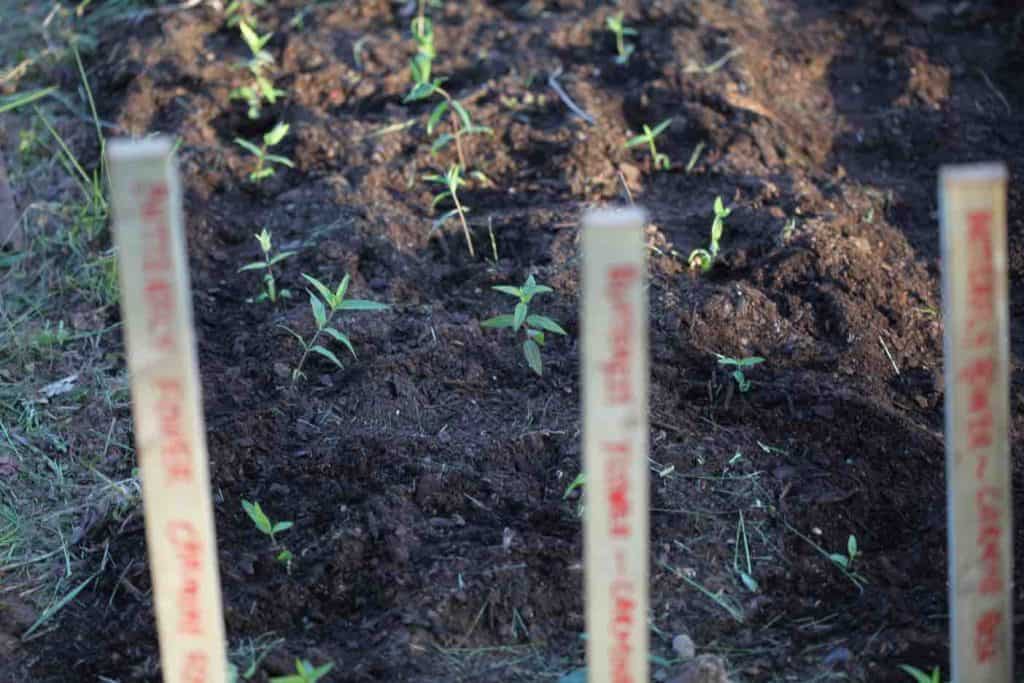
[684, 647]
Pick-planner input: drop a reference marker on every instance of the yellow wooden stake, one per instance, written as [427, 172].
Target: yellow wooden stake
[615, 437]
[978, 467]
[170, 440]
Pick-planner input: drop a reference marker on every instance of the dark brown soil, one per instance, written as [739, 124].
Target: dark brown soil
[425, 481]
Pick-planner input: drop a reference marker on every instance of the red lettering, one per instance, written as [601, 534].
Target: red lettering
[188, 548]
[196, 668]
[616, 369]
[987, 501]
[622, 626]
[617, 472]
[985, 629]
[175, 451]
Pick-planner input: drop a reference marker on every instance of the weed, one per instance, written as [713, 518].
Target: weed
[323, 314]
[615, 25]
[264, 161]
[920, 676]
[533, 325]
[270, 291]
[739, 363]
[661, 161]
[238, 11]
[461, 123]
[261, 87]
[452, 180]
[844, 566]
[704, 259]
[305, 672]
[263, 523]
[746, 576]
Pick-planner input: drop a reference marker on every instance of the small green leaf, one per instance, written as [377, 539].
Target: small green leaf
[638, 140]
[750, 582]
[435, 116]
[578, 482]
[257, 515]
[339, 294]
[325, 292]
[281, 257]
[282, 526]
[544, 323]
[498, 321]
[319, 313]
[441, 142]
[463, 114]
[278, 159]
[440, 198]
[520, 315]
[419, 91]
[253, 266]
[362, 305]
[508, 289]
[840, 559]
[442, 219]
[276, 134]
[328, 354]
[341, 337]
[532, 353]
[851, 546]
[257, 176]
[249, 146]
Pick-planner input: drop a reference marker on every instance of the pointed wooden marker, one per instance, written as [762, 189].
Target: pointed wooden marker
[615, 436]
[170, 439]
[978, 467]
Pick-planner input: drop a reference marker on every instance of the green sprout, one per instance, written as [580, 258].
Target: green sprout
[920, 676]
[271, 529]
[661, 161]
[270, 291]
[852, 553]
[423, 33]
[705, 258]
[323, 313]
[739, 363]
[261, 87]
[461, 123]
[305, 672]
[452, 180]
[615, 25]
[264, 161]
[238, 11]
[533, 325]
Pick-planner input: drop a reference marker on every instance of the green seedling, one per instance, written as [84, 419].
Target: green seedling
[261, 87]
[238, 11]
[305, 672]
[661, 161]
[271, 529]
[615, 25]
[452, 180]
[703, 259]
[270, 291]
[739, 363]
[852, 553]
[461, 123]
[532, 325]
[264, 160]
[577, 483]
[920, 676]
[324, 311]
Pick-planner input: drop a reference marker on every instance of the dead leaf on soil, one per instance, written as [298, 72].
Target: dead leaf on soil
[61, 386]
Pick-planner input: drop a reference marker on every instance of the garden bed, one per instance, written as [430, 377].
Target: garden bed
[425, 480]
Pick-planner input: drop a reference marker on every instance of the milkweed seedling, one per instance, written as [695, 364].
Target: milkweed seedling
[260, 61]
[305, 672]
[271, 529]
[264, 161]
[661, 161]
[852, 553]
[461, 123]
[703, 259]
[452, 180]
[739, 363]
[920, 676]
[270, 291]
[323, 313]
[533, 325]
[615, 25]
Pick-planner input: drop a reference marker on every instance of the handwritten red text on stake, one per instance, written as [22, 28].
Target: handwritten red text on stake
[175, 451]
[618, 455]
[156, 265]
[978, 380]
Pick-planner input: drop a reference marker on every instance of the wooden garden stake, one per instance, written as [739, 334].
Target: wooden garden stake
[615, 378]
[978, 467]
[156, 308]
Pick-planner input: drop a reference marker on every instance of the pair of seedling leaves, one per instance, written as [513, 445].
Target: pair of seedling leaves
[261, 88]
[532, 324]
[264, 159]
